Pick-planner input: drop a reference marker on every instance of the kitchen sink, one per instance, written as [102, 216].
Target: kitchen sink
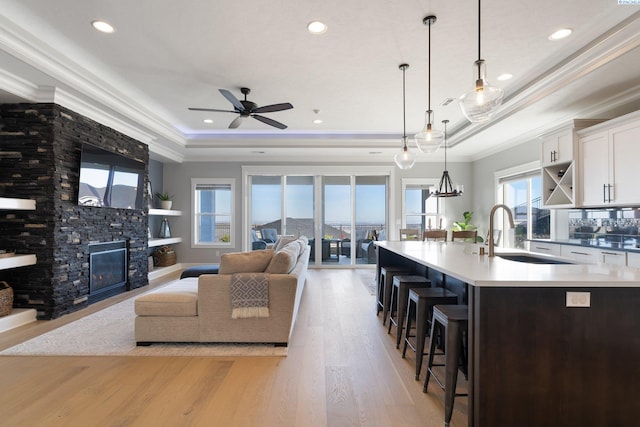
[531, 259]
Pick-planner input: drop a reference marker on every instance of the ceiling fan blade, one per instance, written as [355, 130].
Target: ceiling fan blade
[236, 122]
[232, 99]
[272, 108]
[212, 109]
[269, 121]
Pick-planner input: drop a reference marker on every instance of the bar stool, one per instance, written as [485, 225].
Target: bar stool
[399, 297]
[384, 288]
[454, 320]
[421, 302]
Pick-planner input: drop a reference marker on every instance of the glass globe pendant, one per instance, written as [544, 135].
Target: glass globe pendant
[404, 159]
[429, 140]
[480, 103]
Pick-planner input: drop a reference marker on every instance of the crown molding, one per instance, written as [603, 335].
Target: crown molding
[19, 43]
[601, 51]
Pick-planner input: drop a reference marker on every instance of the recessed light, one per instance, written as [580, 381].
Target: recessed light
[505, 76]
[317, 121]
[317, 27]
[560, 34]
[102, 26]
[208, 120]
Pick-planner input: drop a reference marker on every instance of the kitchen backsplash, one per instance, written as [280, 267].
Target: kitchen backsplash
[612, 225]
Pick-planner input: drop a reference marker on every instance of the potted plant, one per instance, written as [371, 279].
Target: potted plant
[466, 225]
[165, 200]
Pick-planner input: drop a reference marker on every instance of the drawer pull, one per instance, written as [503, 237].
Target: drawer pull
[543, 249]
[580, 253]
[611, 253]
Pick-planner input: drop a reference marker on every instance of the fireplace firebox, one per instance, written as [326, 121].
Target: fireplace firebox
[108, 266]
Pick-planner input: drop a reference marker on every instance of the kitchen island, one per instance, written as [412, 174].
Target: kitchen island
[549, 344]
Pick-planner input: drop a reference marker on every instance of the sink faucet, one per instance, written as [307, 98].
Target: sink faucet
[491, 215]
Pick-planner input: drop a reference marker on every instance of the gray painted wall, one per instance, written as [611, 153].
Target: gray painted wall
[483, 176]
[176, 179]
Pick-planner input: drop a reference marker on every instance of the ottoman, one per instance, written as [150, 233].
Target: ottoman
[197, 270]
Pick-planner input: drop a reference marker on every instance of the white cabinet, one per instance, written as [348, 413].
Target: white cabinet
[17, 260]
[557, 147]
[545, 248]
[633, 259]
[609, 159]
[557, 158]
[581, 254]
[613, 257]
[586, 255]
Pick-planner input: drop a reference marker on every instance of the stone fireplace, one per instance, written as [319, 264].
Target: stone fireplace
[40, 147]
[107, 269]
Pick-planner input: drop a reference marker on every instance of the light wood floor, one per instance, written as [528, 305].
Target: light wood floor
[342, 369]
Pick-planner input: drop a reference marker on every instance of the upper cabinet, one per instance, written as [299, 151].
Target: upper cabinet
[609, 154]
[558, 147]
[558, 158]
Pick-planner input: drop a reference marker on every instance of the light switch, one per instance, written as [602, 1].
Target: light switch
[578, 299]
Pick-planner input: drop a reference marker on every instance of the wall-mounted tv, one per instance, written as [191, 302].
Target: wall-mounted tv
[108, 179]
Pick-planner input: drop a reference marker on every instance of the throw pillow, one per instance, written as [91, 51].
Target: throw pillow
[284, 260]
[245, 262]
[282, 242]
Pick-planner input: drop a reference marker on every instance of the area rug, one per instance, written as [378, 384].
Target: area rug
[368, 279]
[109, 332]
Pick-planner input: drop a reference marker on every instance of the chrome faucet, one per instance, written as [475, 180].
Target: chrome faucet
[491, 215]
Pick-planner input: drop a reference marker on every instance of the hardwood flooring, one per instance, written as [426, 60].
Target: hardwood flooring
[342, 369]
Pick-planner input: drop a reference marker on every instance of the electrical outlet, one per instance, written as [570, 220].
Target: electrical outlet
[217, 253]
[578, 299]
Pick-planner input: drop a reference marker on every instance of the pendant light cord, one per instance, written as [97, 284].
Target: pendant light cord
[429, 71]
[479, 56]
[445, 143]
[404, 106]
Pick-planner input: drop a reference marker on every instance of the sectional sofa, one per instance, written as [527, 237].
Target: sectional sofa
[199, 309]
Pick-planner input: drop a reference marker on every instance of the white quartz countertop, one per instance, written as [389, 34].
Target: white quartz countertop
[463, 261]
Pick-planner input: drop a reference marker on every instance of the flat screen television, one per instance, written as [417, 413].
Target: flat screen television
[111, 180]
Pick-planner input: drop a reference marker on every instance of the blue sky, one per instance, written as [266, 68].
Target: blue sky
[370, 203]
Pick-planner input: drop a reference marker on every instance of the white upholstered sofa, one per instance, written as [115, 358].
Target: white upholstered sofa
[199, 309]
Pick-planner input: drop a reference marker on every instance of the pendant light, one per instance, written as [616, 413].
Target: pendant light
[480, 103]
[404, 159]
[446, 188]
[429, 140]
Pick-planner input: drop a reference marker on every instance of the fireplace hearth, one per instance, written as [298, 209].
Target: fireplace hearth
[107, 269]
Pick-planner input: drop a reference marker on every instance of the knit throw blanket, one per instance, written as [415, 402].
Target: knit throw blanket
[249, 295]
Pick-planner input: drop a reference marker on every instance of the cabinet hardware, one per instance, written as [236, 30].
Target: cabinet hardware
[580, 253]
[542, 249]
[610, 253]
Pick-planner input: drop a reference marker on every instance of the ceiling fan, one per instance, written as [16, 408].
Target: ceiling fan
[248, 109]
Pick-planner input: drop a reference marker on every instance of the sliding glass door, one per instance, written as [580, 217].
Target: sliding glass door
[339, 214]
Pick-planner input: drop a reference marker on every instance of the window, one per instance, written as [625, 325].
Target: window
[419, 209]
[336, 211]
[521, 190]
[213, 221]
